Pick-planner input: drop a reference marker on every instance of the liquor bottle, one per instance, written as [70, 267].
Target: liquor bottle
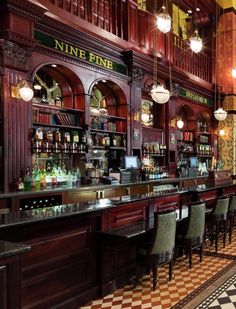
[38, 139]
[57, 143]
[114, 141]
[75, 141]
[27, 180]
[66, 142]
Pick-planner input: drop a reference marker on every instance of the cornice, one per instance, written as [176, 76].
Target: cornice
[23, 8]
[231, 9]
[79, 62]
[83, 40]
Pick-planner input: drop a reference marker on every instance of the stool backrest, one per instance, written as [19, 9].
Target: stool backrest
[222, 205]
[196, 221]
[232, 203]
[165, 227]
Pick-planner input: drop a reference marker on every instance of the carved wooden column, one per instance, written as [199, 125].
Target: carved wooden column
[16, 113]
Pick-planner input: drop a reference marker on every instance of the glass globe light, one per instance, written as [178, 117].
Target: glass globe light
[180, 123]
[196, 43]
[220, 114]
[145, 117]
[159, 94]
[222, 132]
[26, 93]
[163, 21]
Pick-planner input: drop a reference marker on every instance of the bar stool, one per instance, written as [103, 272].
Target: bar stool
[218, 221]
[160, 250]
[193, 232]
[231, 215]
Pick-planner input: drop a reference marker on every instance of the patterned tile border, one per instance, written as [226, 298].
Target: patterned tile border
[207, 288]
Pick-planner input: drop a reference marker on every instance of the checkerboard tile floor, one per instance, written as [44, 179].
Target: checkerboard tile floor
[168, 294]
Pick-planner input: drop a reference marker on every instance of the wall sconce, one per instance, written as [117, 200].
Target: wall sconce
[22, 91]
[222, 132]
[180, 123]
[143, 117]
[233, 72]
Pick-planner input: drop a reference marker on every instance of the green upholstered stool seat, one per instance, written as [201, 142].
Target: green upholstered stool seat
[160, 249]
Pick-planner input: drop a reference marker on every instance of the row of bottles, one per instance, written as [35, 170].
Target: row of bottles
[203, 149]
[47, 177]
[154, 172]
[59, 141]
[154, 147]
[107, 140]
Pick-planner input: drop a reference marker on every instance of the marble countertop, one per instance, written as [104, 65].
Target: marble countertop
[96, 187]
[8, 249]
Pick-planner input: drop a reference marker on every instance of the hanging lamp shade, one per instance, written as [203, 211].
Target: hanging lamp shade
[220, 114]
[26, 93]
[196, 42]
[159, 94]
[163, 21]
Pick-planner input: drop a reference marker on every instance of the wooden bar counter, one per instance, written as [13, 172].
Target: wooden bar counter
[71, 262]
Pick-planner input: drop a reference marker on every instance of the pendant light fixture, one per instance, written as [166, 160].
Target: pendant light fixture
[220, 114]
[163, 20]
[159, 94]
[195, 40]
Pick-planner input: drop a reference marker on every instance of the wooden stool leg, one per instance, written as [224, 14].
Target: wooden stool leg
[217, 234]
[154, 273]
[201, 251]
[231, 222]
[170, 269]
[190, 257]
[225, 232]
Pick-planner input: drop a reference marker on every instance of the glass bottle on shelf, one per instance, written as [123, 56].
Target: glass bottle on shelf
[57, 144]
[37, 141]
[75, 141]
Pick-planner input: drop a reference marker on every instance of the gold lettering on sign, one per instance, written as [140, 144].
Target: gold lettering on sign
[59, 45]
[100, 61]
[80, 53]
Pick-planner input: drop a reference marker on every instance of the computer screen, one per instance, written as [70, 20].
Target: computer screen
[131, 162]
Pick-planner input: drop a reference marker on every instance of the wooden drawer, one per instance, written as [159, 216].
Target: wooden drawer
[124, 214]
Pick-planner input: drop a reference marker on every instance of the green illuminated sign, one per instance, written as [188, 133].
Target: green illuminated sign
[194, 96]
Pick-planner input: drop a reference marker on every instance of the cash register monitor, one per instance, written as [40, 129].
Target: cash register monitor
[131, 162]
